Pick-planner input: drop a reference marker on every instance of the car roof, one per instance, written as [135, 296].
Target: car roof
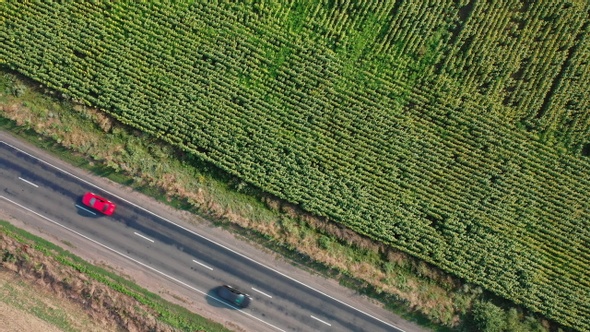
[234, 295]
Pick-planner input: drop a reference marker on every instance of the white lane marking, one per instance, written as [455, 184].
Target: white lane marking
[152, 241]
[210, 268]
[212, 241]
[261, 292]
[29, 182]
[85, 209]
[140, 263]
[314, 317]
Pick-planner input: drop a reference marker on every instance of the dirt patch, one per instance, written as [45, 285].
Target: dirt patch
[14, 320]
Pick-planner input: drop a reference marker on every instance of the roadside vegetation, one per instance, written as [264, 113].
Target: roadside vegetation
[87, 138]
[32, 267]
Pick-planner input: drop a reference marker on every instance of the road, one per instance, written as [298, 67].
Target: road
[178, 252]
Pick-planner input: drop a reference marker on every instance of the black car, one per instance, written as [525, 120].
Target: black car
[234, 296]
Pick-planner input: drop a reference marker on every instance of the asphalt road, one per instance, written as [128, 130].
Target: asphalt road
[198, 263]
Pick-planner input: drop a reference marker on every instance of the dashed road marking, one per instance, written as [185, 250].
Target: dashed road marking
[203, 265]
[261, 292]
[85, 209]
[147, 238]
[29, 182]
[314, 317]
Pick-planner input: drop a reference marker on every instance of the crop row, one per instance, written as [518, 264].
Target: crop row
[519, 57]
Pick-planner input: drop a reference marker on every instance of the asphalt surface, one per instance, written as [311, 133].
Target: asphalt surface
[165, 247]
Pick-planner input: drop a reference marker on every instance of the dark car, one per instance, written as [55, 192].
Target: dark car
[234, 296]
[98, 203]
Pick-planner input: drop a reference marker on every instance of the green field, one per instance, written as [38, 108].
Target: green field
[456, 131]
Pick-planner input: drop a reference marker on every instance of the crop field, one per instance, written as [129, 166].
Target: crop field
[456, 131]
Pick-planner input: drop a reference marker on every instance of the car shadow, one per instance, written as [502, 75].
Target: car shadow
[215, 301]
[84, 210]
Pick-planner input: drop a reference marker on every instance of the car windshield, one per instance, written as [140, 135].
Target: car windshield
[240, 299]
[92, 201]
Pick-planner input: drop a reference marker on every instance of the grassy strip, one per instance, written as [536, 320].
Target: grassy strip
[169, 313]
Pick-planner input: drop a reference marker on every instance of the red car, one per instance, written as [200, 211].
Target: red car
[98, 203]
